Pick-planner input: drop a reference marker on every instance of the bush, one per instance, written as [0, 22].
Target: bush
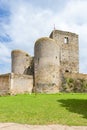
[74, 85]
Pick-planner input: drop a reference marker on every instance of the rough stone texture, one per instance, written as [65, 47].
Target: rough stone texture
[74, 82]
[69, 50]
[4, 84]
[21, 83]
[76, 75]
[21, 62]
[52, 58]
[15, 84]
[46, 66]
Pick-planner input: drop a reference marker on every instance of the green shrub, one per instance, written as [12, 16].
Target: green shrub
[74, 85]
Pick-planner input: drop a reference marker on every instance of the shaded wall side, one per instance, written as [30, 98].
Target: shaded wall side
[4, 84]
[21, 83]
[31, 67]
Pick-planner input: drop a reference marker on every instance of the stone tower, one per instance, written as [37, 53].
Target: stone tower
[21, 62]
[46, 66]
[69, 50]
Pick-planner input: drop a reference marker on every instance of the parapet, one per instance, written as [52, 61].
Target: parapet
[63, 33]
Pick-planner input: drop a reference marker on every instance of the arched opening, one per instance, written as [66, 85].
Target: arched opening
[66, 71]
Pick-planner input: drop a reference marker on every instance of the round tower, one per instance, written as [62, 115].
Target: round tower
[21, 62]
[46, 66]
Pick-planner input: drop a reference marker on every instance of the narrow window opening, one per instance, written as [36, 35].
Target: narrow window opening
[38, 60]
[66, 40]
[56, 57]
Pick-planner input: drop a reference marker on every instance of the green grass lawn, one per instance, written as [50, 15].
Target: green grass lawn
[69, 109]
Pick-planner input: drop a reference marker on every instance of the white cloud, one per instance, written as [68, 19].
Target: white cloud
[5, 59]
[4, 53]
[27, 23]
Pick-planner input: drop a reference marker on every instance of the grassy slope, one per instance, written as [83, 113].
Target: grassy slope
[70, 109]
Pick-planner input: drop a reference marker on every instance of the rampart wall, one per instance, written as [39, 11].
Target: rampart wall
[76, 75]
[15, 83]
[21, 83]
[4, 84]
[74, 82]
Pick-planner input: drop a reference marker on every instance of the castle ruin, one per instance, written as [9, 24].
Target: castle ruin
[43, 73]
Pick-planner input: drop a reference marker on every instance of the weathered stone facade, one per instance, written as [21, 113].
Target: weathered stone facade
[54, 57]
[21, 62]
[47, 66]
[4, 84]
[74, 82]
[15, 84]
[21, 83]
[69, 50]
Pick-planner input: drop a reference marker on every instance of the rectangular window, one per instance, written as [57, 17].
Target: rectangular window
[66, 40]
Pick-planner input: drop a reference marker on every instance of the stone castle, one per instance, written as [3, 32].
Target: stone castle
[53, 58]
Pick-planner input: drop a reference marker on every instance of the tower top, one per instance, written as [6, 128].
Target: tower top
[57, 32]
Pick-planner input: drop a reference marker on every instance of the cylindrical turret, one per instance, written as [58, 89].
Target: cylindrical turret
[21, 62]
[46, 66]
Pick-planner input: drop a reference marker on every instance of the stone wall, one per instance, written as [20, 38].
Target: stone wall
[74, 82]
[4, 84]
[15, 84]
[46, 66]
[21, 83]
[22, 62]
[69, 50]
[76, 75]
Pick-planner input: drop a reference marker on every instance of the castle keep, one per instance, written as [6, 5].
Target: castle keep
[43, 73]
[68, 50]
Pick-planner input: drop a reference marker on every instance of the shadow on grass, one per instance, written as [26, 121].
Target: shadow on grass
[78, 106]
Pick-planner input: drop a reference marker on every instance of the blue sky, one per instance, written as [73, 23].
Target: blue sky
[22, 22]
